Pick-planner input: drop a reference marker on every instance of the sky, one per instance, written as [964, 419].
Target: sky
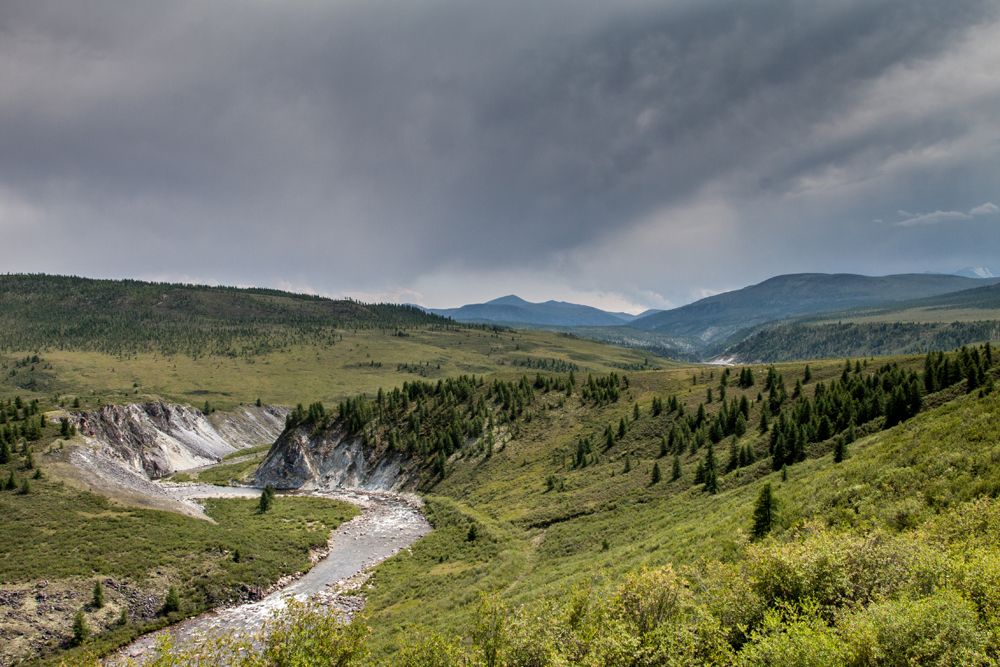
[624, 154]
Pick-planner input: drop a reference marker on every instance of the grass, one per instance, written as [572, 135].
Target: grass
[71, 538]
[360, 362]
[606, 523]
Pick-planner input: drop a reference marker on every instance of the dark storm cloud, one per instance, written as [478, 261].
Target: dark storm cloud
[363, 145]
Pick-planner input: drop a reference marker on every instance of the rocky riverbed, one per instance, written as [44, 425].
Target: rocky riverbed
[388, 522]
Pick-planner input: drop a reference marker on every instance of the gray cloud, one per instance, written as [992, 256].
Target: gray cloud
[935, 217]
[440, 150]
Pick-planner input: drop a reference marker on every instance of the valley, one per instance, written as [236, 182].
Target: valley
[547, 468]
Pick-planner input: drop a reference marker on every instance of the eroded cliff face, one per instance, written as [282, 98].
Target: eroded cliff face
[331, 458]
[157, 439]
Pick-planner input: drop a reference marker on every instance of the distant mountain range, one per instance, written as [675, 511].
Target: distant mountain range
[515, 311]
[722, 315]
[710, 325]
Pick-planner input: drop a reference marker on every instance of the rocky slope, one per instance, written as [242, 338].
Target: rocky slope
[330, 458]
[157, 439]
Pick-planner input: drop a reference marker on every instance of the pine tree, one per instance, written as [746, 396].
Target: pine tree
[763, 513]
[675, 472]
[656, 474]
[97, 599]
[807, 376]
[11, 482]
[711, 473]
[81, 631]
[266, 499]
[635, 412]
[664, 447]
[839, 450]
[734, 456]
[171, 603]
[5, 452]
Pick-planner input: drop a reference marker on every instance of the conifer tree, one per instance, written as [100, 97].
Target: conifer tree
[81, 631]
[763, 513]
[172, 602]
[97, 599]
[839, 450]
[675, 473]
[656, 473]
[711, 473]
[266, 499]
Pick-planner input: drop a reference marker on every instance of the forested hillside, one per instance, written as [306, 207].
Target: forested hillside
[129, 316]
[811, 340]
[823, 514]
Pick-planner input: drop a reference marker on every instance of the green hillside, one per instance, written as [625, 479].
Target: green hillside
[717, 318]
[809, 340]
[129, 316]
[879, 545]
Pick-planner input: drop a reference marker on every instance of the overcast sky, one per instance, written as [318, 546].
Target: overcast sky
[625, 154]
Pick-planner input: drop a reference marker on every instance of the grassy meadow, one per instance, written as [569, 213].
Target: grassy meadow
[354, 363]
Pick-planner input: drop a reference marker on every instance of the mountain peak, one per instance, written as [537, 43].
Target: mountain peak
[509, 300]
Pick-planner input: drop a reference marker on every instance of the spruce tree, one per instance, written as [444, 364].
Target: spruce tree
[171, 603]
[675, 473]
[839, 450]
[711, 473]
[763, 513]
[656, 474]
[97, 599]
[5, 452]
[81, 631]
[266, 499]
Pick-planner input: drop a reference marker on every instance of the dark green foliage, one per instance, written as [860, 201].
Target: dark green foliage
[839, 449]
[81, 629]
[710, 473]
[655, 478]
[172, 602]
[472, 534]
[818, 341]
[266, 499]
[763, 513]
[97, 597]
[675, 472]
[128, 316]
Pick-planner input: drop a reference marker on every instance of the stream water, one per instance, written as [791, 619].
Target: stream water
[387, 523]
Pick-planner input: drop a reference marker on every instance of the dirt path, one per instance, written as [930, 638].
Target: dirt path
[388, 522]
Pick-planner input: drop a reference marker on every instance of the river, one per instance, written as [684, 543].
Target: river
[388, 522]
